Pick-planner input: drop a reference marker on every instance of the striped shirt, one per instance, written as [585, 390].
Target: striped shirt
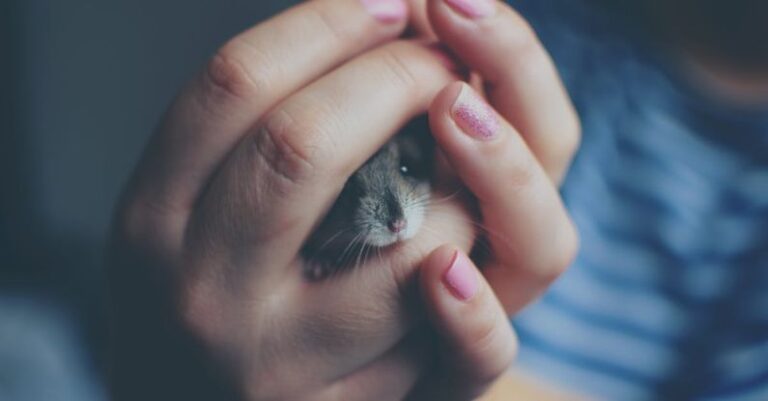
[668, 297]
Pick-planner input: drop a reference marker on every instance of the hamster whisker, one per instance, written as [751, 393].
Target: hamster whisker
[424, 200]
[430, 200]
[341, 259]
[441, 233]
[448, 197]
[484, 230]
[380, 257]
[360, 254]
[423, 196]
[420, 202]
[415, 189]
[478, 242]
[368, 253]
[333, 237]
[343, 262]
[437, 212]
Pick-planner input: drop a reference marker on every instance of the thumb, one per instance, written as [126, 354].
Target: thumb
[477, 342]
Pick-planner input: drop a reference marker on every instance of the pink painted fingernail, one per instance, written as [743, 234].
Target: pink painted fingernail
[461, 278]
[474, 116]
[473, 8]
[386, 10]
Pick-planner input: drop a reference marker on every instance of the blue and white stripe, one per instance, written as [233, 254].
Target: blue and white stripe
[668, 298]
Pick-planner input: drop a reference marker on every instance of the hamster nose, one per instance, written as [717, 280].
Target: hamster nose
[396, 225]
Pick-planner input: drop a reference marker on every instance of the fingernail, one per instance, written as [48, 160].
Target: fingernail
[386, 10]
[461, 278]
[473, 8]
[474, 116]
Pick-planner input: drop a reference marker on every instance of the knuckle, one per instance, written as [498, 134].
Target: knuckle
[565, 250]
[521, 37]
[562, 148]
[569, 249]
[524, 57]
[147, 226]
[489, 342]
[400, 71]
[198, 305]
[135, 221]
[131, 223]
[484, 334]
[523, 173]
[228, 71]
[572, 134]
[293, 150]
[570, 140]
[328, 22]
[520, 168]
[528, 62]
[565, 145]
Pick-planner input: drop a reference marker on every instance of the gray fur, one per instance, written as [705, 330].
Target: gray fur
[392, 185]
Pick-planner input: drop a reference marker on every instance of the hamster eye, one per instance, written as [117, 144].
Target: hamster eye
[412, 169]
[409, 170]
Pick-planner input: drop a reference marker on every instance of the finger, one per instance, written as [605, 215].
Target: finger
[390, 377]
[418, 24]
[478, 344]
[246, 234]
[288, 171]
[246, 77]
[520, 79]
[532, 237]
[278, 181]
[387, 376]
[367, 309]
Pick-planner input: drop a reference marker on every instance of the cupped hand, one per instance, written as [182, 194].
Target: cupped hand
[510, 141]
[210, 296]
[210, 300]
[512, 150]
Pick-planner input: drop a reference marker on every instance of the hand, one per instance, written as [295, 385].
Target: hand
[511, 154]
[210, 300]
[514, 157]
[248, 158]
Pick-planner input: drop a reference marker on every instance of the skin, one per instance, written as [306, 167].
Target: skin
[209, 299]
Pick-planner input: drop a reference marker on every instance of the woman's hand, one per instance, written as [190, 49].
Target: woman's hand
[206, 270]
[205, 261]
[511, 154]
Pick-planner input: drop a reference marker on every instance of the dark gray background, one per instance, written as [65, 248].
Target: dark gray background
[82, 84]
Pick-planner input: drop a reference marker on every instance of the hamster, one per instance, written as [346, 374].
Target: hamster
[383, 203]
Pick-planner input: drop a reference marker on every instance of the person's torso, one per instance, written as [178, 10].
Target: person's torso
[668, 297]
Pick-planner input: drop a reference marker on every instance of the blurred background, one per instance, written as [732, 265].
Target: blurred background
[82, 84]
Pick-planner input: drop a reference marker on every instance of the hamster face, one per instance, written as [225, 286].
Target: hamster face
[392, 191]
[384, 202]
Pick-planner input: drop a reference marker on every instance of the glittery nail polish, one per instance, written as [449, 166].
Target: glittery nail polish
[474, 116]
